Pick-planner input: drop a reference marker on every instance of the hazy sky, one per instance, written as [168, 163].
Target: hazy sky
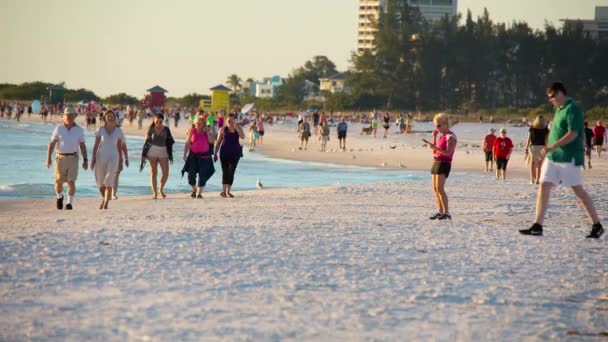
[188, 46]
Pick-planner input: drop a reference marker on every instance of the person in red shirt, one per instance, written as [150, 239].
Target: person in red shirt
[488, 145]
[599, 133]
[502, 151]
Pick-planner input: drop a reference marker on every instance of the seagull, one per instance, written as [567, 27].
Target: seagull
[402, 165]
[392, 147]
[258, 184]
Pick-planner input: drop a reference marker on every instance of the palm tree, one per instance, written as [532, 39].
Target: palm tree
[234, 81]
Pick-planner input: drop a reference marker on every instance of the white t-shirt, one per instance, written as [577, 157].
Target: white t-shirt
[107, 148]
[68, 140]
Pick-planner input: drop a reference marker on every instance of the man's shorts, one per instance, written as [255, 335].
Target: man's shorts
[341, 134]
[66, 168]
[566, 174]
[501, 164]
[598, 141]
[489, 156]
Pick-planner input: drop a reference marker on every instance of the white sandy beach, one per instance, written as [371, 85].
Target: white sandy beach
[358, 262]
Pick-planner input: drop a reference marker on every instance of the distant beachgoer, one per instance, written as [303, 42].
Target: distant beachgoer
[588, 143]
[197, 155]
[158, 149]
[401, 123]
[408, 123]
[537, 140]
[443, 153]
[386, 123]
[230, 152]
[324, 131]
[210, 119]
[315, 121]
[140, 119]
[564, 157]
[68, 138]
[107, 155]
[125, 158]
[488, 145]
[374, 125]
[260, 130]
[599, 135]
[342, 129]
[502, 151]
[253, 137]
[304, 133]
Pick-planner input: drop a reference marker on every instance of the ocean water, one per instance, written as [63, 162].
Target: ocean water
[23, 173]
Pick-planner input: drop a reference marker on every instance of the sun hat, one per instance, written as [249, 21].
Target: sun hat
[68, 110]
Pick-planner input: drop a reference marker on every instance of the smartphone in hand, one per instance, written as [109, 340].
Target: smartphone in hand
[428, 142]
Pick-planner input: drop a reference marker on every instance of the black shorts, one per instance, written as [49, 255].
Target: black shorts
[489, 156]
[598, 141]
[261, 133]
[501, 164]
[441, 168]
[386, 126]
[341, 135]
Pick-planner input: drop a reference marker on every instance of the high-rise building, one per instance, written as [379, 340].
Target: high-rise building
[369, 12]
[597, 28]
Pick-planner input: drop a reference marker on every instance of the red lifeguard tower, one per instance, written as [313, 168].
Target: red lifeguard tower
[155, 97]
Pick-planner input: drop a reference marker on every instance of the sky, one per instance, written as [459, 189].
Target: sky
[189, 46]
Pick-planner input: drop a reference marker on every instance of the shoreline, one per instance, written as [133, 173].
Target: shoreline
[396, 152]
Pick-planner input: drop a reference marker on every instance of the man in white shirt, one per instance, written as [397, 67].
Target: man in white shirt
[67, 138]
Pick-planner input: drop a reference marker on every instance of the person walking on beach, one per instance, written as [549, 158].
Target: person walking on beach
[324, 131]
[599, 135]
[197, 155]
[588, 143]
[253, 137]
[107, 155]
[502, 151]
[564, 158]
[140, 118]
[158, 149]
[230, 152]
[260, 129]
[386, 123]
[342, 129]
[537, 140]
[304, 133]
[67, 138]
[443, 153]
[488, 145]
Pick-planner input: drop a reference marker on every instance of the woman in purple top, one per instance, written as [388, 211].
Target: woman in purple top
[443, 151]
[230, 151]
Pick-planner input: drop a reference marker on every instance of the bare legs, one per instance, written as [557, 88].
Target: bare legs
[164, 167]
[154, 176]
[542, 202]
[535, 171]
[106, 194]
[441, 197]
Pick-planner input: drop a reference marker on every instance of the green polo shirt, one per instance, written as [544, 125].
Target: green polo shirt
[568, 117]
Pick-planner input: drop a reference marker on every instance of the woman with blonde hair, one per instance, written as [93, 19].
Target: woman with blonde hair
[197, 155]
[443, 152]
[107, 155]
[537, 140]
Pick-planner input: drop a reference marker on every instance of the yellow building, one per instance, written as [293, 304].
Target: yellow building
[334, 84]
[220, 98]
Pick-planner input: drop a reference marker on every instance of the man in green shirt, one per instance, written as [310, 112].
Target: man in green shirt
[565, 154]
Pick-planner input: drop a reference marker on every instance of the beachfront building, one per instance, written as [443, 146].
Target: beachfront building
[56, 94]
[334, 84]
[596, 28]
[267, 88]
[155, 97]
[220, 98]
[369, 12]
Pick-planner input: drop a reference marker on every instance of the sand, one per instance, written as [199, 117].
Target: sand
[325, 263]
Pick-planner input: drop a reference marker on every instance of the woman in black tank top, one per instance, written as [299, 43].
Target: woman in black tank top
[537, 139]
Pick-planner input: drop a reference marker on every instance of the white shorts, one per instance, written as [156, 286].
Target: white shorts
[566, 174]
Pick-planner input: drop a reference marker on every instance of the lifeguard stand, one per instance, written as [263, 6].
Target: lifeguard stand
[220, 98]
[156, 96]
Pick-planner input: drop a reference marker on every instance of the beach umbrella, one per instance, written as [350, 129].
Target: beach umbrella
[247, 108]
[36, 106]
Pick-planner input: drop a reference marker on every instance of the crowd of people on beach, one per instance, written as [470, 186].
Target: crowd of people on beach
[556, 151]
[210, 137]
